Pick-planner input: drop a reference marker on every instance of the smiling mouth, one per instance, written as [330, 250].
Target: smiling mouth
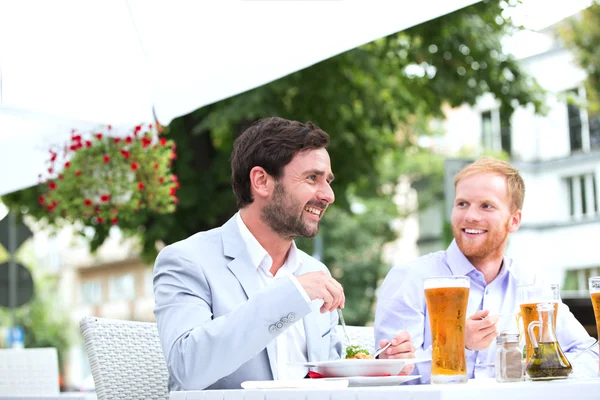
[313, 210]
[474, 231]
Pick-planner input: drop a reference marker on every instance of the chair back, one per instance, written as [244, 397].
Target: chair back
[126, 359]
[363, 336]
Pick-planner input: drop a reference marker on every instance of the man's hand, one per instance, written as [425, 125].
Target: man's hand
[401, 347]
[480, 330]
[320, 285]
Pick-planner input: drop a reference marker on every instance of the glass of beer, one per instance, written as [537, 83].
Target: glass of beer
[594, 283]
[447, 298]
[529, 297]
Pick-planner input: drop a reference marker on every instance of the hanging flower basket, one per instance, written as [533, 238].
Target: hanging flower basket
[102, 179]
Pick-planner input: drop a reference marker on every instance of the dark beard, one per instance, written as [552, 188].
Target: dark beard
[280, 218]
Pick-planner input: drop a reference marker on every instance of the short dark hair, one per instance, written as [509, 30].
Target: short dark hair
[270, 143]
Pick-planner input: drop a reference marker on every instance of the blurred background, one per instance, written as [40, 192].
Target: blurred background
[405, 113]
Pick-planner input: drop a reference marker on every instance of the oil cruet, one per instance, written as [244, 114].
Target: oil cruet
[548, 360]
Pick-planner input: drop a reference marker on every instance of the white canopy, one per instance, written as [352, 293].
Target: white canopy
[73, 63]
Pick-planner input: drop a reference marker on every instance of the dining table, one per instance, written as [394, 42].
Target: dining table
[475, 389]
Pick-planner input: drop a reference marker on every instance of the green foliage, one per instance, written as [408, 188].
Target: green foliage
[43, 319]
[581, 35]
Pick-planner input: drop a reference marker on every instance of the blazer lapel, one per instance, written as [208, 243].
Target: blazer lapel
[241, 263]
[241, 266]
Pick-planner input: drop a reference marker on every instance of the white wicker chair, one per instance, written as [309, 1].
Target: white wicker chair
[126, 359]
[363, 336]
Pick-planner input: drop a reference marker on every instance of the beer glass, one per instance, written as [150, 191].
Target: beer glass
[529, 296]
[447, 298]
[594, 283]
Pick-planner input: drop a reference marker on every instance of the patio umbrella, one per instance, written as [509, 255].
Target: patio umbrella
[78, 63]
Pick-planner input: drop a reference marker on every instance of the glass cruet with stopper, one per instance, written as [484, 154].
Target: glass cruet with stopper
[548, 360]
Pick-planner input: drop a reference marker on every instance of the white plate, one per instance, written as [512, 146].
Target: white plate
[355, 381]
[362, 367]
[337, 383]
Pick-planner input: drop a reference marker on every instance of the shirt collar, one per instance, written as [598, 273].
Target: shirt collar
[258, 253]
[460, 265]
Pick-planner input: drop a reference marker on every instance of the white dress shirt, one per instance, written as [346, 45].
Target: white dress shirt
[290, 346]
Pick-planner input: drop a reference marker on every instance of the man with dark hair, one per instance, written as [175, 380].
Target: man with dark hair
[241, 302]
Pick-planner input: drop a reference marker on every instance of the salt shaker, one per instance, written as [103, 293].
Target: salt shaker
[509, 358]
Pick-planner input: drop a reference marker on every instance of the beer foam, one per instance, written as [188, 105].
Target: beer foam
[446, 281]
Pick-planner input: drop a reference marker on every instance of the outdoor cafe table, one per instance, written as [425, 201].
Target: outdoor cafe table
[476, 389]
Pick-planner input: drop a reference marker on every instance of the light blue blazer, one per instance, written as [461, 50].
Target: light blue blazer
[216, 325]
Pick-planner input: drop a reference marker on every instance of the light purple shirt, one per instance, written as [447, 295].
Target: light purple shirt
[401, 307]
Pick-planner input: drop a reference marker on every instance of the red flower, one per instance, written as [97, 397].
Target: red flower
[177, 185]
[175, 200]
[125, 153]
[173, 155]
[174, 178]
[155, 165]
[98, 136]
[41, 200]
[117, 140]
[114, 221]
[52, 206]
[110, 127]
[88, 143]
[146, 142]
[77, 173]
[105, 198]
[163, 141]
[76, 138]
[134, 166]
[128, 139]
[52, 156]
[106, 159]
[161, 180]
[137, 129]
[60, 177]
[52, 185]
[87, 202]
[140, 186]
[173, 191]
[50, 170]
[73, 147]
[67, 164]
[100, 220]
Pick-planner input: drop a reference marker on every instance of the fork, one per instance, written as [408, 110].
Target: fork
[339, 311]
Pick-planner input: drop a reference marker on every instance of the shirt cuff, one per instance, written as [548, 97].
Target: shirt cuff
[300, 289]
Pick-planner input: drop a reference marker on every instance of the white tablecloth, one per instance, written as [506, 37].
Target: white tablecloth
[60, 396]
[480, 389]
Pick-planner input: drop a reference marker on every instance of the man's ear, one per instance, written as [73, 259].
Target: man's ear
[515, 221]
[261, 183]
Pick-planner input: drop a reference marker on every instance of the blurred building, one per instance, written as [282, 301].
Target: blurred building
[558, 155]
[113, 283]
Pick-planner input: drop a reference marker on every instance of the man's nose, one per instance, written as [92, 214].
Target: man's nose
[472, 214]
[326, 194]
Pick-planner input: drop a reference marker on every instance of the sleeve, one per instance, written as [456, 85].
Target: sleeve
[401, 307]
[335, 349]
[200, 349]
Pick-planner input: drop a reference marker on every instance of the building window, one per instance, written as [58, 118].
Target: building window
[584, 129]
[91, 291]
[583, 198]
[121, 288]
[577, 279]
[496, 133]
